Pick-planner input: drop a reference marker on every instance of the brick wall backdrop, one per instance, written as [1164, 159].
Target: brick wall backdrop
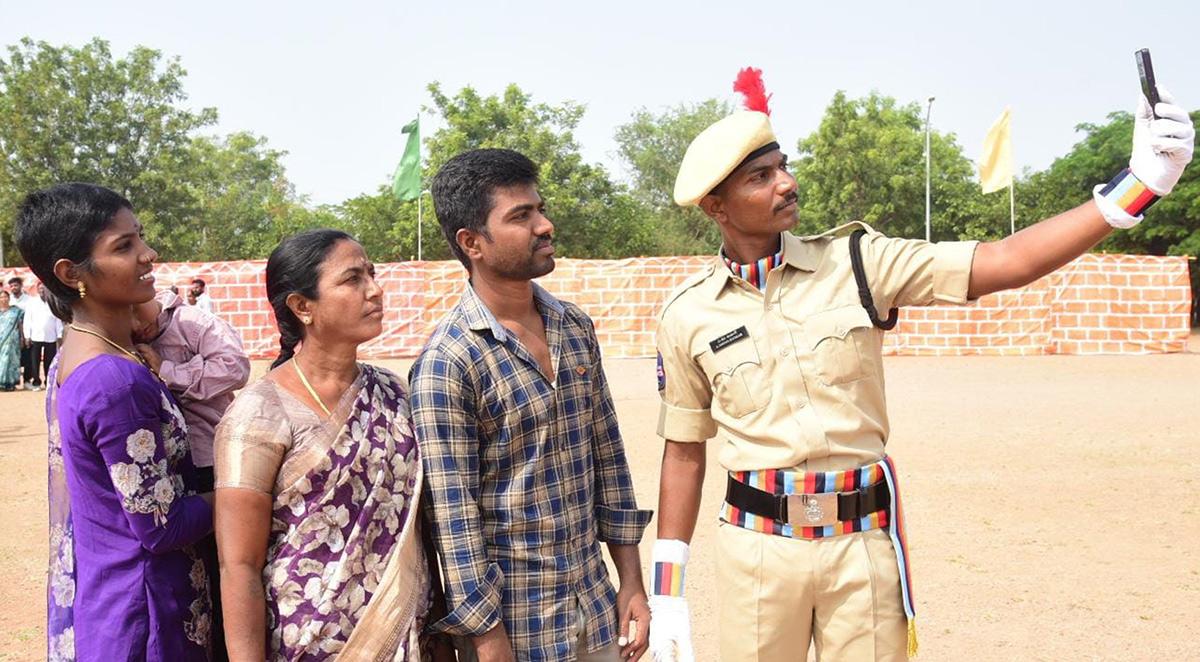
[1098, 304]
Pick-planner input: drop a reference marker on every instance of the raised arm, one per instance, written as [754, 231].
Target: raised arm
[1162, 149]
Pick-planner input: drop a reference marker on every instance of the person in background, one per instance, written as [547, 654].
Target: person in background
[200, 291]
[16, 289]
[124, 581]
[43, 335]
[11, 341]
[190, 297]
[174, 289]
[200, 358]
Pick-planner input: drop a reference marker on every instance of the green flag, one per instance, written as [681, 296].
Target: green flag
[406, 183]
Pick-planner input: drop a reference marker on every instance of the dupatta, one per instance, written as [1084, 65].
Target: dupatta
[345, 573]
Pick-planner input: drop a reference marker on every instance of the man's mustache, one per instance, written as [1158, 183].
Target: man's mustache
[787, 200]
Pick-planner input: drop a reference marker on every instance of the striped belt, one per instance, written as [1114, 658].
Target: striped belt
[805, 493]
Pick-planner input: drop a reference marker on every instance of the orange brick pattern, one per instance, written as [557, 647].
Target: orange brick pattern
[1098, 304]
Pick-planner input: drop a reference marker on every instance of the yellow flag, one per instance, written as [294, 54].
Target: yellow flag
[995, 166]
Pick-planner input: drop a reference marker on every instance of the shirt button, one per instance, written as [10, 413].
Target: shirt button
[840, 331]
[783, 352]
[770, 307]
[799, 404]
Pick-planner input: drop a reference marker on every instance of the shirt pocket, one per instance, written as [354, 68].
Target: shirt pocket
[737, 378]
[841, 344]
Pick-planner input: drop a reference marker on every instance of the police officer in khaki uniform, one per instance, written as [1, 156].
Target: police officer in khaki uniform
[777, 346]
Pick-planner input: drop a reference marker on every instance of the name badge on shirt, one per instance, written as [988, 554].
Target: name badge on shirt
[728, 339]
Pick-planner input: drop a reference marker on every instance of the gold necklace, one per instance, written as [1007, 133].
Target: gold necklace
[133, 355]
[313, 393]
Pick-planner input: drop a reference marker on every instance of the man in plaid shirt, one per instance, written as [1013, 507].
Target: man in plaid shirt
[524, 466]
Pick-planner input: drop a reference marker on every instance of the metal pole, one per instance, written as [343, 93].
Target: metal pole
[1, 248]
[1012, 208]
[928, 230]
[419, 201]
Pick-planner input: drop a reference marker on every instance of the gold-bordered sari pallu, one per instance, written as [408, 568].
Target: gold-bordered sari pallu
[346, 576]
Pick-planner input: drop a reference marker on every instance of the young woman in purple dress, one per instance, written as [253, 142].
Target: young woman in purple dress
[125, 583]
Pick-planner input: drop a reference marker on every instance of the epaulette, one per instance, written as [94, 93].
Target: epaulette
[843, 230]
[687, 284]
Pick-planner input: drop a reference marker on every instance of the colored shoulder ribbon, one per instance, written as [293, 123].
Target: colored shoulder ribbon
[756, 272]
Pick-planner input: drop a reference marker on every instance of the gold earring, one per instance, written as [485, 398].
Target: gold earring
[82, 290]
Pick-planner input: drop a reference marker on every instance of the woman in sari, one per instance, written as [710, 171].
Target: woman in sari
[10, 343]
[317, 477]
[125, 583]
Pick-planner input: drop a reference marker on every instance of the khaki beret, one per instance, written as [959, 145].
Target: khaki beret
[718, 151]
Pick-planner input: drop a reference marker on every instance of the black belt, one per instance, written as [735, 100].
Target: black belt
[814, 508]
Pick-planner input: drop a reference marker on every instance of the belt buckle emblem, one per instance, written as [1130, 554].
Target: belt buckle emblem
[812, 509]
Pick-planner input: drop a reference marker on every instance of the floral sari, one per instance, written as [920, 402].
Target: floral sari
[345, 572]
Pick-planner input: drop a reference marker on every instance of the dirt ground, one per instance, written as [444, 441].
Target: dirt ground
[1053, 505]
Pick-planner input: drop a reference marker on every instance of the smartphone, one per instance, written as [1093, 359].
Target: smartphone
[1146, 73]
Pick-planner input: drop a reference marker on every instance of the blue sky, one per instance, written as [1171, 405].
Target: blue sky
[332, 83]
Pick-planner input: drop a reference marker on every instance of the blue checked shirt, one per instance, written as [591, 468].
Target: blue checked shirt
[524, 478]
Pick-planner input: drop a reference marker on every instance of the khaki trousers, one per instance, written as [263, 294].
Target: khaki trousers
[778, 594]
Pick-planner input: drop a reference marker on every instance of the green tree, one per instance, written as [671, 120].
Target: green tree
[76, 114]
[238, 203]
[652, 146]
[593, 217]
[79, 114]
[1171, 227]
[865, 162]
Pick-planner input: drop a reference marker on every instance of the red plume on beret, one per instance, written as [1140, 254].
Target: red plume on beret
[750, 84]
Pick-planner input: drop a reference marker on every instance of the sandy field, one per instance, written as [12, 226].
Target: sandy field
[1053, 505]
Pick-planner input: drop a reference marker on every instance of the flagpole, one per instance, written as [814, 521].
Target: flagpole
[1012, 207]
[419, 201]
[928, 110]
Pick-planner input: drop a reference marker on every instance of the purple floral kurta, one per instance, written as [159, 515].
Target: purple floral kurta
[124, 582]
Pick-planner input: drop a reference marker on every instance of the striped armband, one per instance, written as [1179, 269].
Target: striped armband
[1129, 193]
[669, 558]
[668, 579]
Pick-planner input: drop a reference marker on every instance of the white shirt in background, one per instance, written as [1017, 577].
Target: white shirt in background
[21, 301]
[203, 302]
[40, 324]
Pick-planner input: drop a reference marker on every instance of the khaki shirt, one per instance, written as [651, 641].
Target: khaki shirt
[794, 378]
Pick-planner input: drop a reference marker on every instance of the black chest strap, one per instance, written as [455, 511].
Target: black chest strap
[864, 288]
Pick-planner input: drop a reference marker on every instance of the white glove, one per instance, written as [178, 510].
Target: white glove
[1161, 147]
[670, 627]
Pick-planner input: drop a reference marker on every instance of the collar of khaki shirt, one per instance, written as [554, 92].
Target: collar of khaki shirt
[798, 252]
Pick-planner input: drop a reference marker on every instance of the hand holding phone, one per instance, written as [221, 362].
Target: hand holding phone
[1146, 73]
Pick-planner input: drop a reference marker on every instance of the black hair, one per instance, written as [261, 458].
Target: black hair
[462, 190]
[200, 281]
[294, 268]
[62, 223]
[16, 279]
